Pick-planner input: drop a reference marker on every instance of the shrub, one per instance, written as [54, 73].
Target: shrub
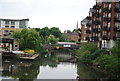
[30, 51]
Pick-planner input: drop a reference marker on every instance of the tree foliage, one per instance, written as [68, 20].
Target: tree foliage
[110, 62]
[45, 32]
[51, 39]
[29, 39]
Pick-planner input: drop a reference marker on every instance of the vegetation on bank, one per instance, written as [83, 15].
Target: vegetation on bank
[109, 62]
[29, 39]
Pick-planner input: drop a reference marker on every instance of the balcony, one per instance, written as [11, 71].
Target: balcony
[96, 30]
[95, 38]
[97, 7]
[107, 10]
[105, 28]
[79, 34]
[117, 9]
[117, 28]
[96, 22]
[88, 31]
[79, 39]
[117, 19]
[87, 38]
[96, 14]
[106, 37]
[106, 19]
[88, 18]
[88, 25]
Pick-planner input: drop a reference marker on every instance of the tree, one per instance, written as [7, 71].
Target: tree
[29, 39]
[76, 31]
[55, 31]
[44, 32]
[16, 34]
[52, 39]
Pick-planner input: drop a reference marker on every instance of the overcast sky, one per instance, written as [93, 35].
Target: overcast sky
[51, 13]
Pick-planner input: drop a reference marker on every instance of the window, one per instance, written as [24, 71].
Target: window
[12, 26]
[11, 31]
[7, 22]
[22, 24]
[6, 31]
[6, 26]
[12, 22]
[16, 45]
[108, 24]
[109, 15]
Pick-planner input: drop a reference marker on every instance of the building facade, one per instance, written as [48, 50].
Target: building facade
[103, 24]
[8, 26]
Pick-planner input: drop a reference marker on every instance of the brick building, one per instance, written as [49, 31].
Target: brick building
[102, 24]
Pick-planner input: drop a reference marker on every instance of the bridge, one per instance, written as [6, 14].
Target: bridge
[63, 45]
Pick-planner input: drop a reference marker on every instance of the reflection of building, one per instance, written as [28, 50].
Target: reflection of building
[7, 27]
[103, 24]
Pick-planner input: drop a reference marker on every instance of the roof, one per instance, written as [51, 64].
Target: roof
[15, 19]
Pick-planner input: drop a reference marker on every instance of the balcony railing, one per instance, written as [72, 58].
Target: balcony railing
[107, 10]
[88, 31]
[96, 14]
[95, 38]
[106, 19]
[79, 34]
[87, 38]
[117, 19]
[106, 37]
[79, 39]
[96, 22]
[88, 25]
[96, 30]
[116, 38]
[97, 7]
[117, 9]
[105, 28]
[88, 18]
[117, 28]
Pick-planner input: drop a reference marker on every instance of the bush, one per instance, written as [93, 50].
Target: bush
[109, 63]
[85, 51]
[30, 51]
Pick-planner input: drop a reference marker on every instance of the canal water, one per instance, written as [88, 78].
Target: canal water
[52, 66]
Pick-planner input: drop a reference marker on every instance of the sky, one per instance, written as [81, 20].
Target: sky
[51, 13]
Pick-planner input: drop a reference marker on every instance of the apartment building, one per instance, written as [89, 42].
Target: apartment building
[86, 30]
[8, 26]
[104, 24]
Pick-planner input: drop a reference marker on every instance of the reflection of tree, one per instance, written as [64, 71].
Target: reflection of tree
[26, 72]
[87, 72]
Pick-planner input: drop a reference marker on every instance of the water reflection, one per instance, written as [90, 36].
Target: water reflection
[48, 67]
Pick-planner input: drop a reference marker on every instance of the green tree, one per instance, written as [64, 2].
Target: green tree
[16, 34]
[56, 32]
[29, 39]
[85, 51]
[76, 31]
[52, 39]
[44, 32]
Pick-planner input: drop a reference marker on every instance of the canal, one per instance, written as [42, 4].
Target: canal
[52, 66]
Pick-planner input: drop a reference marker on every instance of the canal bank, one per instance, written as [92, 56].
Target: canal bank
[48, 68]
